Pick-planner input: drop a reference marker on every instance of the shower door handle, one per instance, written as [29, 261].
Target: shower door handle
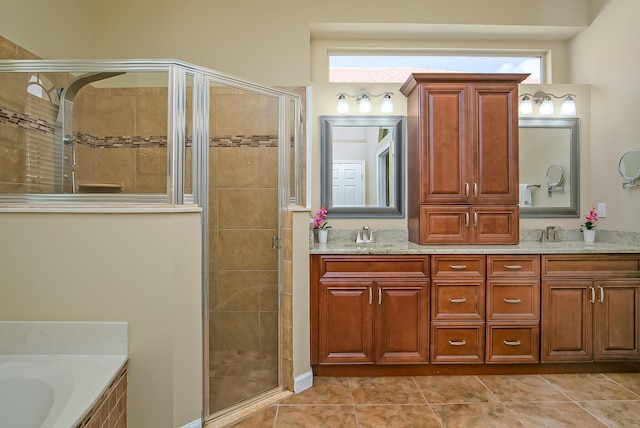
[275, 243]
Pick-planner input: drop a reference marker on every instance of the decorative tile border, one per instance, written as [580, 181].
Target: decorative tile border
[24, 121]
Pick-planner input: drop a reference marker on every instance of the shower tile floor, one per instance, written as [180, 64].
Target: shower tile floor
[553, 400]
[238, 375]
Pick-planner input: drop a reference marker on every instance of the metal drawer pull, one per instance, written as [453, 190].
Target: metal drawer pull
[593, 295]
[475, 219]
[512, 267]
[370, 295]
[462, 300]
[508, 343]
[457, 267]
[466, 190]
[512, 300]
[475, 190]
[379, 296]
[601, 294]
[457, 343]
[466, 219]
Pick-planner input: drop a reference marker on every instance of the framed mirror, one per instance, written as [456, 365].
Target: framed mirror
[362, 166]
[549, 149]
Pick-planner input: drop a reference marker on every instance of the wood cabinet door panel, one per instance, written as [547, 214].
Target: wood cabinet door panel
[444, 156]
[494, 135]
[495, 224]
[516, 300]
[567, 321]
[617, 321]
[513, 343]
[345, 322]
[457, 300]
[444, 224]
[402, 322]
[457, 343]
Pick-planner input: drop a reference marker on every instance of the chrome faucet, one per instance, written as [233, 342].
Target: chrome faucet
[551, 233]
[364, 235]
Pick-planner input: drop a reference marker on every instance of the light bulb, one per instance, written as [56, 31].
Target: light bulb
[343, 105]
[568, 107]
[387, 105]
[526, 107]
[364, 104]
[546, 108]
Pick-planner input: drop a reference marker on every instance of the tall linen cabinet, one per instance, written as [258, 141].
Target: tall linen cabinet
[462, 165]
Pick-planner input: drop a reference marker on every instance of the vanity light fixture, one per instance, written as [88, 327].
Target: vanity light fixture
[547, 108]
[363, 98]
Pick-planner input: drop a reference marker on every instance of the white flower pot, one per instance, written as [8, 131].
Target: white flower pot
[323, 234]
[589, 235]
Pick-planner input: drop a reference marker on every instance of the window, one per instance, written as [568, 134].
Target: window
[396, 68]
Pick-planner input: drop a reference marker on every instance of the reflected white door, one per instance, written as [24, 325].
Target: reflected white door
[348, 183]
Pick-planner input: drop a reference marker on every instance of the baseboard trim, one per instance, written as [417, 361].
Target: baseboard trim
[303, 382]
[193, 424]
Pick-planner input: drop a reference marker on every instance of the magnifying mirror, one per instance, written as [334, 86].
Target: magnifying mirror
[629, 167]
[555, 177]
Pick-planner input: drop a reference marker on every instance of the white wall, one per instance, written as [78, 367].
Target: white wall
[58, 29]
[605, 56]
[143, 269]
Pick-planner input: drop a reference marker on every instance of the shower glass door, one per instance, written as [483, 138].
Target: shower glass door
[243, 207]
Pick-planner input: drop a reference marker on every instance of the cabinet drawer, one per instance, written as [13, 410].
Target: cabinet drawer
[457, 343]
[591, 265]
[458, 266]
[513, 266]
[513, 300]
[374, 266]
[457, 300]
[513, 343]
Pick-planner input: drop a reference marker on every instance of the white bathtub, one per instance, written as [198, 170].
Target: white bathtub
[52, 391]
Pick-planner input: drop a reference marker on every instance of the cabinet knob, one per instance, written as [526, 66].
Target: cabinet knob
[457, 342]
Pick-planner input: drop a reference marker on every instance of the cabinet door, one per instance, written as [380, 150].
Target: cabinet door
[444, 154]
[495, 224]
[345, 322]
[444, 224]
[567, 332]
[617, 321]
[494, 141]
[402, 321]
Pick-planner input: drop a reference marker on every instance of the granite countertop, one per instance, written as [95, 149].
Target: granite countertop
[612, 243]
[526, 247]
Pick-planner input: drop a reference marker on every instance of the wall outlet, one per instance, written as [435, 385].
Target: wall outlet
[602, 210]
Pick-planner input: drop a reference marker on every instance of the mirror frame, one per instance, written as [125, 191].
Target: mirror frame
[573, 210]
[326, 162]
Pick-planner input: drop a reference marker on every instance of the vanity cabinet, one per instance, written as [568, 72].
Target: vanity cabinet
[462, 158]
[590, 307]
[370, 309]
[457, 308]
[513, 309]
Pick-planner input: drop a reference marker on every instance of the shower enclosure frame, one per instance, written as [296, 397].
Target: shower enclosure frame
[290, 135]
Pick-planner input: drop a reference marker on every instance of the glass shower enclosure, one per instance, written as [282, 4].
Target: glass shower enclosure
[158, 132]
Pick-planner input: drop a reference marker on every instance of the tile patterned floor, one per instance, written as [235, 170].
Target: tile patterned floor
[554, 400]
